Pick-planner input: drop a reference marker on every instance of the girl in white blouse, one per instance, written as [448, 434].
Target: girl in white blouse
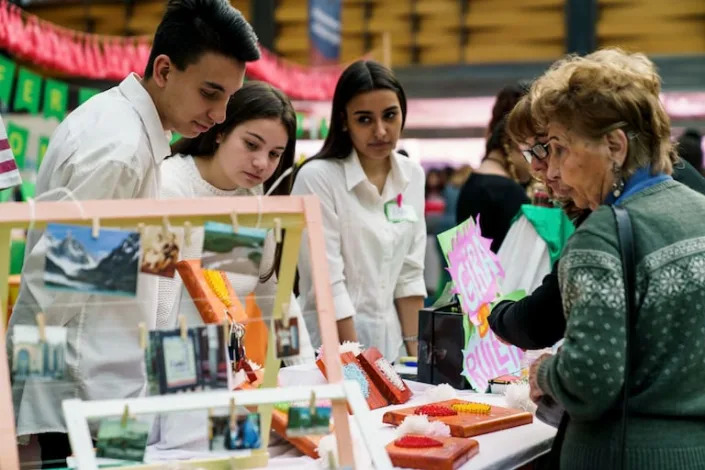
[242, 156]
[372, 201]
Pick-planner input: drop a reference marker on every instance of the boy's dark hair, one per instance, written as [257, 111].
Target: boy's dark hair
[189, 28]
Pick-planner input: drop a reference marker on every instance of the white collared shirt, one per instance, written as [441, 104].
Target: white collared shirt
[371, 261]
[108, 148]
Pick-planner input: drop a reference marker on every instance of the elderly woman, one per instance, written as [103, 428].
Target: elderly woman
[608, 138]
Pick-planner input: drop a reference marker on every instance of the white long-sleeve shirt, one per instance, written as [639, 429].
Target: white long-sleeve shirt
[108, 148]
[371, 260]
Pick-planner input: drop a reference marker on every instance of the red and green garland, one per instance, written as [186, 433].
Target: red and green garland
[113, 57]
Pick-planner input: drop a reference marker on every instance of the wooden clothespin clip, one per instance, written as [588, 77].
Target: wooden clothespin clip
[285, 315]
[277, 230]
[182, 327]
[233, 219]
[165, 226]
[95, 231]
[233, 413]
[41, 324]
[210, 424]
[140, 229]
[226, 329]
[125, 417]
[332, 463]
[187, 233]
[143, 335]
[312, 404]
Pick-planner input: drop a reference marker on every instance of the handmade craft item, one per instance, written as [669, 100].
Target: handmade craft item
[382, 373]
[467, 419]
[306, 444]
[216, 301]
[352, 370]
[431, 453]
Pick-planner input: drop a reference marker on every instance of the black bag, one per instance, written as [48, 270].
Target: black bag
[441, 343]
[626, 248]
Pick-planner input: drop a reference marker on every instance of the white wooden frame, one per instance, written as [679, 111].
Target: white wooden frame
[77, 412]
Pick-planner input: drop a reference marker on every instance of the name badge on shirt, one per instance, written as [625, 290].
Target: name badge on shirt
[399, 213]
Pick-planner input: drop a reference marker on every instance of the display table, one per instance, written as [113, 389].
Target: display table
[506, 449]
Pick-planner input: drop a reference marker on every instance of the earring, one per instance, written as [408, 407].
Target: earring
[618, 185]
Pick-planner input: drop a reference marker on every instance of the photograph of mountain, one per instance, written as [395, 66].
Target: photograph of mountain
[76, 261]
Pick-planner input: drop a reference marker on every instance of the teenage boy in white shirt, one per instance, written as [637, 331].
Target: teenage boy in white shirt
[111, 148]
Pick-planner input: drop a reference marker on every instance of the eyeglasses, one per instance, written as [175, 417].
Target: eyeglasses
[538, 151]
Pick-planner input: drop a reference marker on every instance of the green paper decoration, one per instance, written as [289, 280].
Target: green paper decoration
[84, 94]
[17, 137]
[55, 99]
[43, 145]
[7, 74]
[299, 125]
[27, 92]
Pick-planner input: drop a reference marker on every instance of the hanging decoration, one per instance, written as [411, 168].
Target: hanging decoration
[27, 91]
[56, 97]
[113, 57]
[7, 74]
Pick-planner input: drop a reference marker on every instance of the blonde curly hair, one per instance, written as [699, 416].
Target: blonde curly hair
[595, 94]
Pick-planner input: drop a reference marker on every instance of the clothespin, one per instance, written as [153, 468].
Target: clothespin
[125, 417]
[277, 229]
[233, 413]
[41, 323]
[143, 335]
[332, 463]
[312, 404]
[182, 327]
[95, 232]
[165, 226]
[233, 218]
[226, 329]
[140, 229]
[285, 315]
[187, 233]
[400, 198]
[210, 424]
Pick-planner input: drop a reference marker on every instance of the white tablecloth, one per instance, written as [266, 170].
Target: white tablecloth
[500, 450]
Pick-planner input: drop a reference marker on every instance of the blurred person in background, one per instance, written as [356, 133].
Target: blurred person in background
[493, 191]
[690, 148]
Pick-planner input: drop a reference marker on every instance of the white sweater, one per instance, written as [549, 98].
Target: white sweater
[181, 179]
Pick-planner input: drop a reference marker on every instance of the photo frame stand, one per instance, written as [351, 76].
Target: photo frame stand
[291, 213]
[78, 412]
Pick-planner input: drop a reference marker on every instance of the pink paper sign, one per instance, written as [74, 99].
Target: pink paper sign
[486, 358]
[475, 270]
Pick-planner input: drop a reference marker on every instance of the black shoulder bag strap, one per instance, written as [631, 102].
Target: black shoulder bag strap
[626, 247]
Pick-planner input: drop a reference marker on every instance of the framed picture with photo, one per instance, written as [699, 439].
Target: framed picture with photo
[301, 422]
[34, 359]
[212, 356]
[235, 252]
[287, 337]
[76, 261]
[243, 433]
[122, 440]
[160, 251]
[177, 360]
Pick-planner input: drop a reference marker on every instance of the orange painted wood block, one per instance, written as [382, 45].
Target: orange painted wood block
[212, 309]
[468, 424]
[454, 453]
[352, 370]
[308, 445]
[384, 376]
